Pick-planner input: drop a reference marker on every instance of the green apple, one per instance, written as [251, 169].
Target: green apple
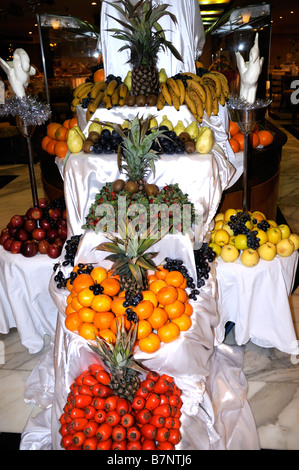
[267, 251]
[228, 213]
[263, 236]
[295, 239]
[216, 248]
[285, 247]
[285, 230]
[221, 237]
[250, 257]
[229, 253]
[274, 234]
[241, 241]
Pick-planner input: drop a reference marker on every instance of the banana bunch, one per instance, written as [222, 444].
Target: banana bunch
[79, 93]
[199, 94]
[110, 94]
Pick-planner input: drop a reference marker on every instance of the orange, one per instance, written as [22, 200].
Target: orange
[88, 331]
[233, 128]
[240, 138]
[98, 274]
[61, 133]
[151, 278]
[101, 303]
[266, 138]
[155, 286]
[45, 142]
[102, 320]
[108, 336]
[66, 123]
[52, 128]
[174, 278]
[117, 306]
[99, 76]
[144, 328]
[158, 318]
[86, 314]
[183, 322]
[182, 294]
[150, 344]
[69, 309]
[81, 281]
[234, 143]
[118, 321]
[168, 332]
[69, 298]
[175, 310]
[73, 122]
[144, 309]
[254, 139]
[184, 285]
[51, 146]
[61, 149]
[111, 286]
[69, 285]
[188, 309]
[72, 321]
[167, 295]
[161, 273]
[85, 297]
[76, 304]
[149, 295]
[122, 293]
[73, 293]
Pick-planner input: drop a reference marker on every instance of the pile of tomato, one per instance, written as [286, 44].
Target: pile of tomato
[94, 418]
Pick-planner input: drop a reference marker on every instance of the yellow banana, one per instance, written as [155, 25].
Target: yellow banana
[111, 88]
[190, 103]
[181, 87]
[160, 101]
[173, 85]
[107, 101]
[216, 80]
[208, 103]
[99, 86]
[194, 77]
[75, 102]
[198, 88]
[166, 94]
[115, 97]
[122, 101]
[221, 98]
[78, 89]
[175, 99]
[123, 91]
[93, 105]
[84, 91]
[198, 104]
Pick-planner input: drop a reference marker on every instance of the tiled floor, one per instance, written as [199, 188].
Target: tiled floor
[273, 377]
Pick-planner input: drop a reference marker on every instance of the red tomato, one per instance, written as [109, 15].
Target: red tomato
[98, 403]
[94, 368]
[153, 376]
[133, 433]
[164, 399]
[122, 406]
[122, 445]
[90, 443]
[174, 436]
[88, 379]
[138, 403]
[66, 440]
[113, 418]
[64, 429]
[152, 401]
[103, 377]
[165, 446]
[100, 416]
[149, 384]
[110, 402]
[100, 390]
[127, 420]
[89, 412]
[148, 444]
[142, 392]
[105, 445]
[119, 433]
[76, 413]
[149, 431]
[104, 432]
[162, 386]
[158, 421]
[78, 424]
[169, 422]
[162, 434]
[78, 438]
[85, 390]
[82, 401]
[143, 416]
[164, 410]
[175, 400]
[134, 445]
[91, 428]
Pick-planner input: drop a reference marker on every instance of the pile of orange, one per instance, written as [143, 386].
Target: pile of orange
[163, 313]
[257, 137]
[54, 142]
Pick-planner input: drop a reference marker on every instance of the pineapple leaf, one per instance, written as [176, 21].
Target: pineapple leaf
[110, 247]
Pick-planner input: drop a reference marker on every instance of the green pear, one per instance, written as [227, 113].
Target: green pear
[74, 140]
[95, 126]
[192, 130]
[77, 128]
[204, 141]
[179, 128]
[153, 123]
[162, 76]
[128, 80]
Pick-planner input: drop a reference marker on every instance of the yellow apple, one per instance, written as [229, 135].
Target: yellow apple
[232, 240]
[228, 213]
[263, 236]
[285, 247]
[221, 237]
[295, 239]
[226, 227]
[267, 251]
[216, 248]
[219, 216]
[250, 257]
[229, 253]
[258, 216]
[249, 224]
[212, 236]
[241, 241]
[274, 234]
[218, 225]
[272, 223]
[285, 230]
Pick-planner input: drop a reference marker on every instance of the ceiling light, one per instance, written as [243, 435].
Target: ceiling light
[212, 2]
[211, 12]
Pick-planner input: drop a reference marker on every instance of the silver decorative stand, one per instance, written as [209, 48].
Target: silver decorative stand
[246, 115]
[27, 130]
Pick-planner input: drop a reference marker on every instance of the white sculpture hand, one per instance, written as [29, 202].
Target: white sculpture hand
[18, 71]
[250, 72]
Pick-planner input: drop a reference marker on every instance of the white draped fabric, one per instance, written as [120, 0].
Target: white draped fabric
[187, 36]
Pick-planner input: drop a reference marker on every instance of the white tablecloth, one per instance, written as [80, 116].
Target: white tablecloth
[257, 301]
[25, 299]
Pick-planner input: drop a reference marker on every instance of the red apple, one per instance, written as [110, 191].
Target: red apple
[39, 233]
[44, 223]
[54, 250]
[17, 221]
[30, 225]
[55, 213]
[29, 248]
[58, 241]
[35, 213]
[22, 234]
[12, 230]
[7, 244]
[4, 236]
[42, 202]
[15, 247]
[43, 246]
[51, 234]
[62, 232]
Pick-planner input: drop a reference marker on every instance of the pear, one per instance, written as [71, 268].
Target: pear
[166, 122]
[75, 141]
[162, 76]
[128, 80]
[153, 123]
[95, 126]
[126, 124]
[192, 130]
[204, 141]
[179, 128]
[77, 128]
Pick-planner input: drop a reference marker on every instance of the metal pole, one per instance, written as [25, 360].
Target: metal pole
[43, 57]
[245, 172]
[32, 172]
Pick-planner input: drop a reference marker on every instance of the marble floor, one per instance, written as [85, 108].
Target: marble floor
[273, 376]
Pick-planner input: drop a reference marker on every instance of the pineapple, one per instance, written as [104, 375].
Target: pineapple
[118, 358]
[144, 38]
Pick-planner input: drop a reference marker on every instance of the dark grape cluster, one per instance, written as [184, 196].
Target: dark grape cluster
[131, 300]
[238, 225]
[184, 78]
[86, 101]
[168, 143]
[200, 71]
[108, 142]
[203, 256]
[113, 77]
[60, 278]
[71, 246]
[97, 289]
[177, 265]
[263, 225]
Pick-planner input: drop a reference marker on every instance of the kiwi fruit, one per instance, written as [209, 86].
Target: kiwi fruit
[140, 100]
[151, 189]
[132, 187]
[151, 100]
[118, 185]
[88, 146]
[184, 137]
[189, 146]
[131, 100]
[93, 136]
